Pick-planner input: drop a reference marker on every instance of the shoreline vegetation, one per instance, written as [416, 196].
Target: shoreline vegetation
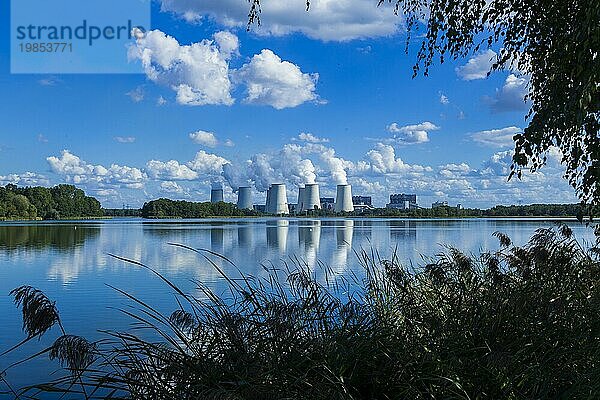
[458, 326]
[66, 202]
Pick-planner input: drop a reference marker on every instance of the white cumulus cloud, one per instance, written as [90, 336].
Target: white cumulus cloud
[511, 97]
[478, 66]
[125, 139]
[327, 20]
[198, 73]
[383, 160]
[207, 164]
[411, 134]
[497, 137]
[24, 179]
[271, 81]
[309, 137]
[171, 170]
[78, 171]
[204, 138]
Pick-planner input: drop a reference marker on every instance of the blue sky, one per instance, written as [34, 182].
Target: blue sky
[325, 96]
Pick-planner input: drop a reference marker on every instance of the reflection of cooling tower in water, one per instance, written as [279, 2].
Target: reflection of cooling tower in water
[309, 236]
[309, 233]
[343, 200]
[300, 206]
[245, 237]
[216, 240]
[244, 198]
[311, 197]
[277, 233]
[277, 199]
[344, 233]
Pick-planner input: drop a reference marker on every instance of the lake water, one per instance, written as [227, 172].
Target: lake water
[70, 261]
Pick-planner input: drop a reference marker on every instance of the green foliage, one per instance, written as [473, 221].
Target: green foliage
[533, 210]
[73, 203]
[15, 206]
[518, 323]
[58, 202]
[165, 208]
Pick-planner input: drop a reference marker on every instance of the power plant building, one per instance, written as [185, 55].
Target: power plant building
[403, 201]
[361, 200]
[327, 203]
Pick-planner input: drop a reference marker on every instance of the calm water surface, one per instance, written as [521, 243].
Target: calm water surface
[70, 262]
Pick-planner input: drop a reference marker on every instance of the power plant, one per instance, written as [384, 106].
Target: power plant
[311, 198]
[277, 199]
[244, 198]
[300, 206]
[216, 193]
[343, 200]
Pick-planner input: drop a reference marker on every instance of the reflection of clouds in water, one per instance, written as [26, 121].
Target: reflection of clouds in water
[67, 269]
[247, 243]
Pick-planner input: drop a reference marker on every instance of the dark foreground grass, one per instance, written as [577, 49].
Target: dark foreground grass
[519, 323]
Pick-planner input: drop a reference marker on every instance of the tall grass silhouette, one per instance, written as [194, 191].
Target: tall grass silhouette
[521, 322]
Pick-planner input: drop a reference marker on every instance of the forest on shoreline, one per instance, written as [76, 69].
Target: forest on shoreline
[38, 202]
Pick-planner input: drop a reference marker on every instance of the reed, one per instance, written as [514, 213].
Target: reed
[518, 323]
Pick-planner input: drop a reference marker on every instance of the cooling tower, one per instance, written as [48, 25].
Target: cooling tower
[311, 197]
[244, 198]
[300, 207]
[268, 206]
[278, 199]
[216, 193]
[343, 201]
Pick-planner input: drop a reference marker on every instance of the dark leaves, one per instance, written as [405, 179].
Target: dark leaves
[39, 313]
[73, 352]
[503, 238]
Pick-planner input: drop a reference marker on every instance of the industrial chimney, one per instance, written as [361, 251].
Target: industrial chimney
[244, 198]
[343, 201]
[216, 193]
[278, 199]
[300, 207]
[311, 197]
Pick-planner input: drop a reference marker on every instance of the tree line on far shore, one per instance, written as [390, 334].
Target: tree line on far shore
[531, 210]
[37, 202]
[165, 208]
[67, 201]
